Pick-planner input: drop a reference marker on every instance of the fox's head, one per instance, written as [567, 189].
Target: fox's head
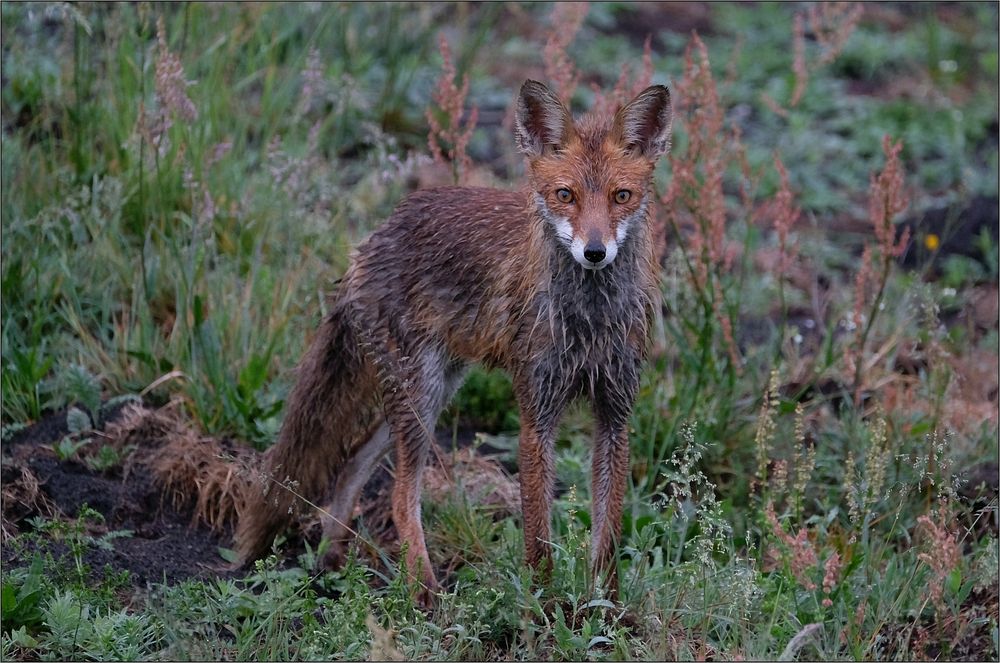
[591, 177]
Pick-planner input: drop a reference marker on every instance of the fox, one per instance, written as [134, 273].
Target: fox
[555, 283]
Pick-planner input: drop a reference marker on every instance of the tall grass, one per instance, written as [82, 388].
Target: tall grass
[207, 211]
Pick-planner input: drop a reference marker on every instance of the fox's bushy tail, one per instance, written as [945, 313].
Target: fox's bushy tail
[327, 411]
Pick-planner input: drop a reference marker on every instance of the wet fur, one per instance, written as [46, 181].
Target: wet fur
[461, 275]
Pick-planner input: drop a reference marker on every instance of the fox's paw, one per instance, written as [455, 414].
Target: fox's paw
[426, 597]
[336, 556]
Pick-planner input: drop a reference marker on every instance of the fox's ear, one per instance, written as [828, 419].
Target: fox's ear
[541, 120]
[644, 125]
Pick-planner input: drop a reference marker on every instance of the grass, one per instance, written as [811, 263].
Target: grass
[789, 468]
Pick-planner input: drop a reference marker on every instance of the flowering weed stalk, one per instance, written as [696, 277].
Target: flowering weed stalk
[624, 91]
[564, 22]
[942, 553]
[886, 200]
[694, 199]
[831, 24]
[450, 101]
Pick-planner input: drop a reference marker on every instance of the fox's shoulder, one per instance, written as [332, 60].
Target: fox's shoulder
[445, 238]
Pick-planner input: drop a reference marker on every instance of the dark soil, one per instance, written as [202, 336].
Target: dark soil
[651, 19]
[165, 544]
[958, 229]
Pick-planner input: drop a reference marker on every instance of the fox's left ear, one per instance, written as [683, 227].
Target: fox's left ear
[643, 126]
[541, 122]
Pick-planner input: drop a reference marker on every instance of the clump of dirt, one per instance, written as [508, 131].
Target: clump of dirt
[967, 632]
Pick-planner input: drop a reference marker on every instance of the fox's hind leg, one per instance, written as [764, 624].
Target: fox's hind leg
[412, 410]
[361, 465]
[350, 482]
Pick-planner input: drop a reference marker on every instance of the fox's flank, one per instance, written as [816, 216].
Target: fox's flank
[556, 284]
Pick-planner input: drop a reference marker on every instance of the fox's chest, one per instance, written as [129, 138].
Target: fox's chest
[581, 346]
[591, 326]
[594, 329]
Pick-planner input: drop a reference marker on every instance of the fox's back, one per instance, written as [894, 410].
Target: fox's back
[437, 235]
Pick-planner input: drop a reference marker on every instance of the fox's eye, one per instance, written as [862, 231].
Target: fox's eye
[564, 195]
[622, 196]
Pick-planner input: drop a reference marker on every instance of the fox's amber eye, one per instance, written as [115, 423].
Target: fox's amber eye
[622, 196]
[564, 195]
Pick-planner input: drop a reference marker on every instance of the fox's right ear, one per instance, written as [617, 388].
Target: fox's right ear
[541, 120]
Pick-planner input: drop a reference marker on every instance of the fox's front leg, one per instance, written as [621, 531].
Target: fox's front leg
[541, 406]
[609, 482]
[537, 473]
[610, 466]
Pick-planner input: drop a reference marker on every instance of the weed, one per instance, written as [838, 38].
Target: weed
[22, 596]
[107, 458]
[450, 100]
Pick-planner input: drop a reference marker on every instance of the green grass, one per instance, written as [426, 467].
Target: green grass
[198, 272]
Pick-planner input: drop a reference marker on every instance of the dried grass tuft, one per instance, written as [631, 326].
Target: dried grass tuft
[481, 479]
[21, 495]
[189, 467]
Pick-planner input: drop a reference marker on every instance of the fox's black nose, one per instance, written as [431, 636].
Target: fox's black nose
[594, 252]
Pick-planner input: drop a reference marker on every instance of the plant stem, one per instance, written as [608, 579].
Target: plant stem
[142, 160]
[859, 361]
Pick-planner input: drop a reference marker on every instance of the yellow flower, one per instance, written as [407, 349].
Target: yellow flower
[932, 242]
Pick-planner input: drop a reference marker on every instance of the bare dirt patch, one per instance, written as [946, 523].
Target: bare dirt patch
[166, 541]
[178, 494]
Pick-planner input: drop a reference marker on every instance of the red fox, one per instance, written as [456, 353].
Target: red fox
[556, 284]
